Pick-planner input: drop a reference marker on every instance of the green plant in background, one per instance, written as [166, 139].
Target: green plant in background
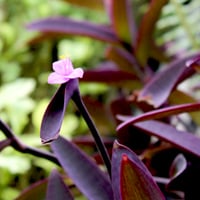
[136, 55]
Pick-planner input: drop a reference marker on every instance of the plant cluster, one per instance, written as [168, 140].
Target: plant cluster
[149, 146]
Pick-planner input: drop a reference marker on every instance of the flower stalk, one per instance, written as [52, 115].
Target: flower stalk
[99, 143]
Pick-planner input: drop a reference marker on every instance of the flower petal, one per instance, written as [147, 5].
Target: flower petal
[55, 78]
[63, 67]
[68, 65]
[76, 73]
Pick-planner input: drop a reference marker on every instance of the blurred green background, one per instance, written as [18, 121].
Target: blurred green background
[24, 92]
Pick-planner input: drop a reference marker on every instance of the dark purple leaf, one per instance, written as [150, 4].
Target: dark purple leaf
[182, 140]
[130, 177]
[108, 73]
[56, 188]
[160, 86]
[61, 25]
[159, 113]
[35, 191]
[54, 114]
[91, 181]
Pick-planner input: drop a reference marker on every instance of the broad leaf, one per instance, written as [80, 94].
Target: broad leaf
[108, 73]
[56, 188]
[66, 26]
[182, 140]
[159, 113]
[54, 114]
[91, 181]
[160, 86]
[130, 178]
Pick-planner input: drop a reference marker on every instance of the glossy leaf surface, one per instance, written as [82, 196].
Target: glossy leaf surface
[91, 181]
[54, 114]
[184, 141]
[56, 188]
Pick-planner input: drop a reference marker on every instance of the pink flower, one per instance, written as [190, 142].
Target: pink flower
[63, 72]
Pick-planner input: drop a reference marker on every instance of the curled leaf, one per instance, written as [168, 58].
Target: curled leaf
[54, 114]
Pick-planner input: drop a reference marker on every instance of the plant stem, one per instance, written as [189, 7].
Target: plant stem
[23, 148]
[99, 143]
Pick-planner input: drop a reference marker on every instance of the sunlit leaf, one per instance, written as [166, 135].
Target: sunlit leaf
[145, 40]
[97, 4]
[121, 16]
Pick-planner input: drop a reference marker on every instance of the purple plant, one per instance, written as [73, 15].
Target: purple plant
[148, 157]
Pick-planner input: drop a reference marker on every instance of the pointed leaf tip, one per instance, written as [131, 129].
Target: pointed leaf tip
[56, 188]
[128, 168]
[54, 114]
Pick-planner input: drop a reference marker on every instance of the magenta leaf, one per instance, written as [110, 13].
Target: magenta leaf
[63, 25]
[159, 88]
[91, 181]
[184, 141]
[56, 188]
[130, 177]
[54, 114]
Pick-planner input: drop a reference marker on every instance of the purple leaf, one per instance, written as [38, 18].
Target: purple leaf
[159, 113]
[61, 25]
[91, 181]
[159, 88]
[130, 177]
[182, 140]
[55, 111]
[56, 188]
[108, 73]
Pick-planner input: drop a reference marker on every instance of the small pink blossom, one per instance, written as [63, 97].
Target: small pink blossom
[63, 72]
